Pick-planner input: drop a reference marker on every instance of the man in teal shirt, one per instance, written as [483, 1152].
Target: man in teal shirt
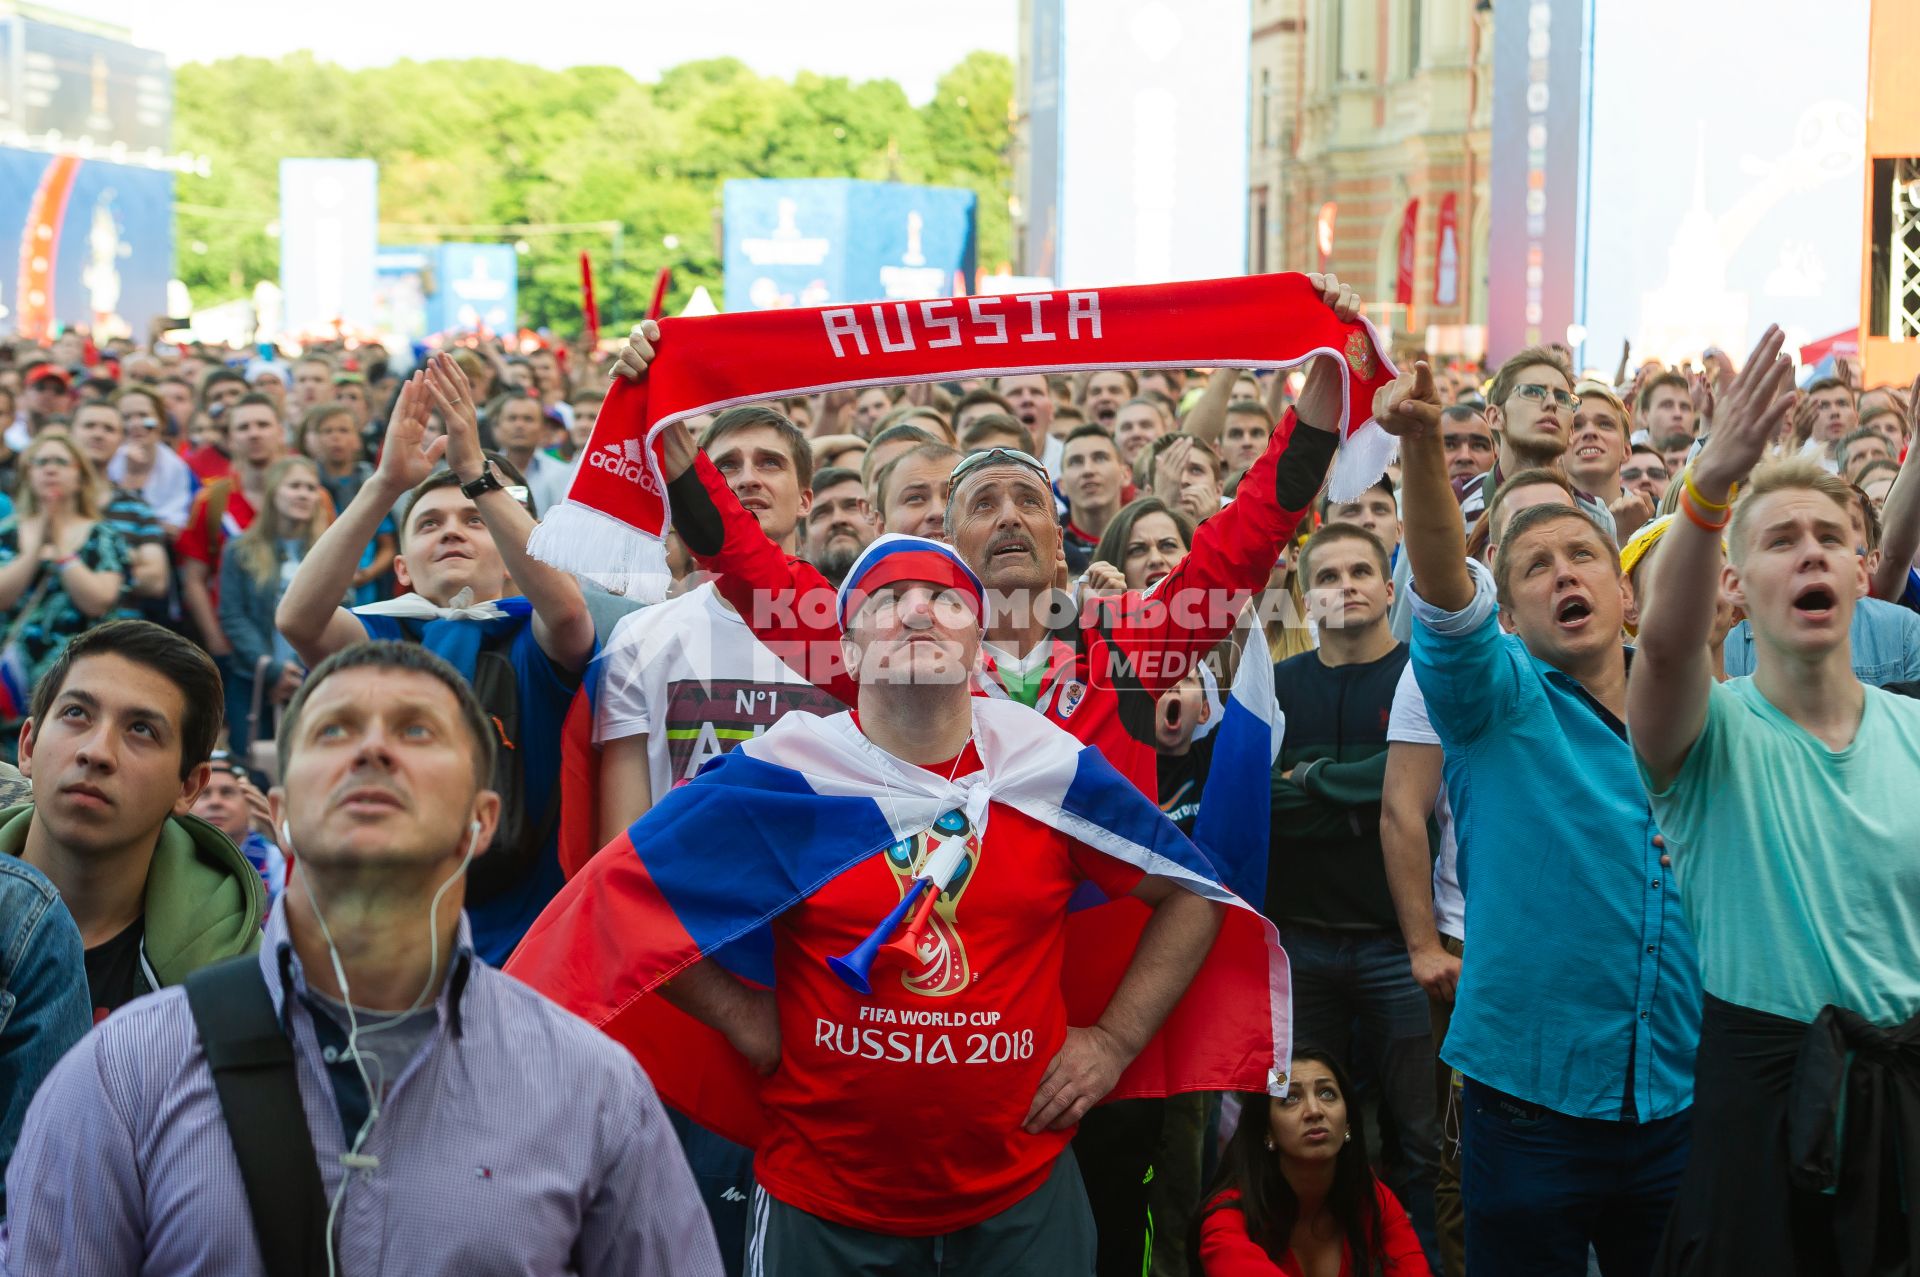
[1578, 1008]
[1788, 804]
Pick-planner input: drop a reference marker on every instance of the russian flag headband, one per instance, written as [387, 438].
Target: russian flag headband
[612, 526]
[897, 557]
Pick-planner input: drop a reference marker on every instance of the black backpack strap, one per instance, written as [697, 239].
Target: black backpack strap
[253, 1074]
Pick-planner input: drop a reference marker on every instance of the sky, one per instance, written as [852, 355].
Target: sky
[911, 41]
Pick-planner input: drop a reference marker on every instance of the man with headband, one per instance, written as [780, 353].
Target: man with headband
[915, 1101]
[454, 1121]
[1097, 675]
[1084, 674]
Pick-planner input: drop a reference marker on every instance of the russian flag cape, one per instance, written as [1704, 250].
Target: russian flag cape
[800, 805]
[1233, 825]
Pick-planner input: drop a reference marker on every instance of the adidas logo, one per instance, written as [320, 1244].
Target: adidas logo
[628, 459]
[733, 1194]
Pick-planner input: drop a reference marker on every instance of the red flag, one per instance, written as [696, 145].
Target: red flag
[1403, 277]
[661, 283]
[589, 312]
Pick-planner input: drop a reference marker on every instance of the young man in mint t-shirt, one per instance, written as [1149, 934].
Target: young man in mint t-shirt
[1787, 804]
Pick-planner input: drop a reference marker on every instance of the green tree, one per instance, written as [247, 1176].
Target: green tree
[970, 134]
[493, 142]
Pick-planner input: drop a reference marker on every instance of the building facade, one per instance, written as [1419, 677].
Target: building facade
[1367, 155]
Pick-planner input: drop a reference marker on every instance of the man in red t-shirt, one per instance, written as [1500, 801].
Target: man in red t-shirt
[224, 508]
[923, 1125]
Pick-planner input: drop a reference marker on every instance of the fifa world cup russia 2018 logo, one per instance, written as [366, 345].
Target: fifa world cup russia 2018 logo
[942, 967]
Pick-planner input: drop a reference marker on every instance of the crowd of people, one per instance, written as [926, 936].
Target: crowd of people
[343, 826]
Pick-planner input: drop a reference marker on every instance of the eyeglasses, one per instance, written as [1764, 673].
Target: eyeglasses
[1540, 394]
[1630, 473]
[52, 461]
[1008, 456]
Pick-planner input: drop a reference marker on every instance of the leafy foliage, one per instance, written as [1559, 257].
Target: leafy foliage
[493, 142]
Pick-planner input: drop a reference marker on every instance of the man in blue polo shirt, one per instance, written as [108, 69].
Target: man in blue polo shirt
[1578, 1008]
[463, 552]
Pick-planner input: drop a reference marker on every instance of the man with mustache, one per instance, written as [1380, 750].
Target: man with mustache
[117, 745]
[840, 524]
[1097, 675]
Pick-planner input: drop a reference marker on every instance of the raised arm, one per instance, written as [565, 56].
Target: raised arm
[561, 623]
[1900, 519]
[1432, 531]
[1207, 419]
[310, 615]
[1672, 668]
[784, 600]
[1233, 553]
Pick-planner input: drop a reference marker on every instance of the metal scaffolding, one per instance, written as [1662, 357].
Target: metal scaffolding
[1903, 291]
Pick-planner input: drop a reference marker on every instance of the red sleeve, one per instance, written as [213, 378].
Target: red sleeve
[785, 600]
[1165, 632]
[193, 538]
[1400, 1251]
[1227, 1251]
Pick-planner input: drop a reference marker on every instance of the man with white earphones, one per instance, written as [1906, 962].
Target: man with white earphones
[457, 1121]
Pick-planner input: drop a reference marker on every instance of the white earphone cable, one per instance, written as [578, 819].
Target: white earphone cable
[353, 1159]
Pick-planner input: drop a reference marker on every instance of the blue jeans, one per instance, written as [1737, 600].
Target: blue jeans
[1540, 1187]
[1348, 980]
[236, 683]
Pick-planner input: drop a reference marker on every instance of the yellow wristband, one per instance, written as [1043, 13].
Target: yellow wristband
[1715, 507]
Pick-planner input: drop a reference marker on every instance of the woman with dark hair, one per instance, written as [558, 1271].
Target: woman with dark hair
[1143, 541]
[1295, 1195]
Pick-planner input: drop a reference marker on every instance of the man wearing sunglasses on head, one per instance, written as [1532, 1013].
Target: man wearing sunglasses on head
[1097, 674]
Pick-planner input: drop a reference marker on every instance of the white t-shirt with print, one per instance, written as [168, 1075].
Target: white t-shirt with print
[691, 675]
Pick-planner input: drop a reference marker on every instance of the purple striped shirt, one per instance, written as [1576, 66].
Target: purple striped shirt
[518, 1140]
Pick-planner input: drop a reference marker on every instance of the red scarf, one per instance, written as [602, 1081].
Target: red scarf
[611, 525]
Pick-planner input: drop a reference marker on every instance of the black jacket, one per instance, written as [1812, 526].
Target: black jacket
[1326, 866]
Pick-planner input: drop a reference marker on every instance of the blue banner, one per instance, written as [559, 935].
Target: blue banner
[475, 286]
[100, 237]
[436, 288]
[812, 241]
